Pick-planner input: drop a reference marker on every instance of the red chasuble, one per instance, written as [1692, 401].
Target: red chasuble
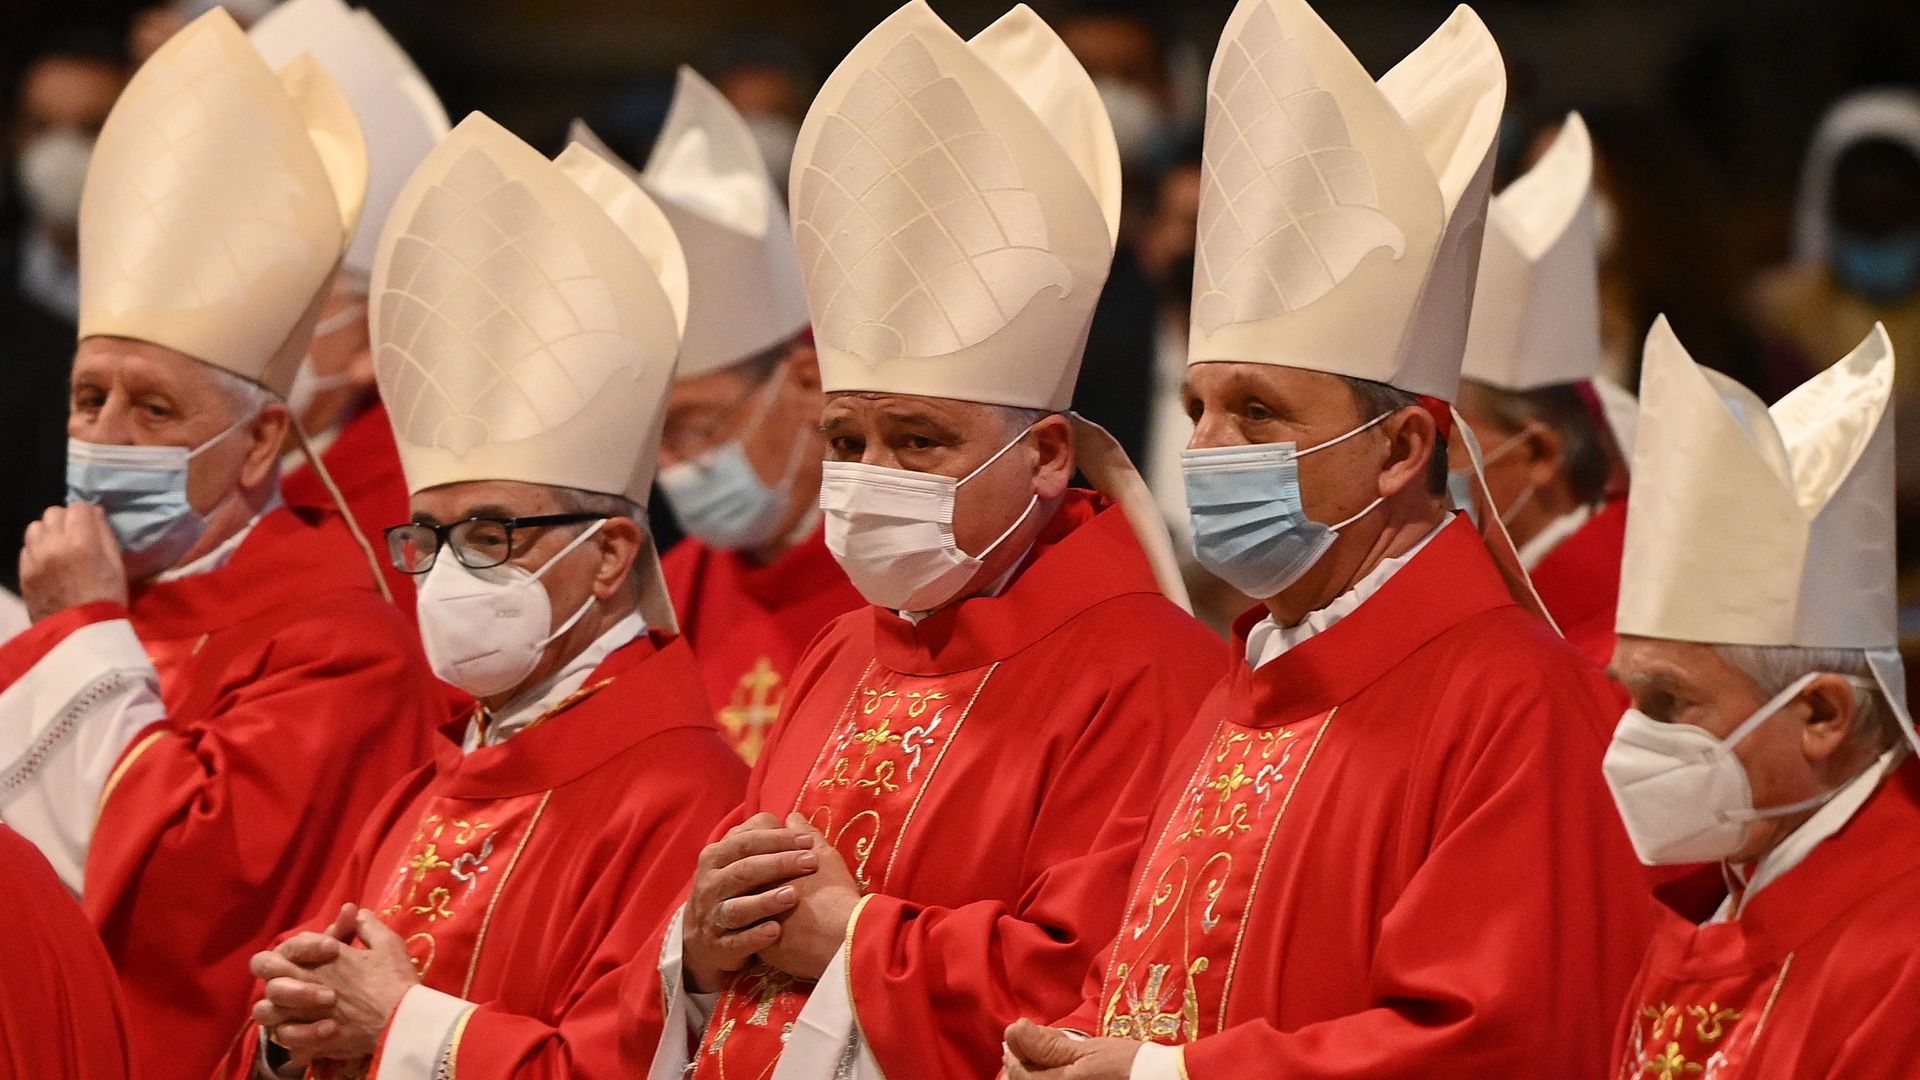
[295, 698]
[1388, 853]
[986, 774]
[365, 465]
[1579, 581]
[1818, 978]
[748, 625]
[524, 874]
[60, 1014]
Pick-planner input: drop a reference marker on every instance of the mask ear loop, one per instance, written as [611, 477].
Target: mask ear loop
[1505, 553]
[340, 503]
[580, 612]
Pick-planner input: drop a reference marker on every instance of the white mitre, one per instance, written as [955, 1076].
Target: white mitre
[708, 177]
[1340, 219]
[1536, 310]
[399, 114]
[220, 198]
[525, 315]
[955, 205]
[1756, 526]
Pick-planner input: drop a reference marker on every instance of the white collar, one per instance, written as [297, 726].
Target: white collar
[219, 556]
[520, 713]
[1533, 551]
[1800, 843]
[1269, 640]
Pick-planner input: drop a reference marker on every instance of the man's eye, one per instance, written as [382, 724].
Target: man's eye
[846, 446]
[1257, 411]
[918, 442]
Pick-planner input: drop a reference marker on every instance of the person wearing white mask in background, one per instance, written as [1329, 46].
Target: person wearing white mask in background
[333, 397]
[753, 582]
[941, 824]
[61, 100]
[592, 759]
[1769, 731]
[1384, 848]
[214, 692]
[1530, 390]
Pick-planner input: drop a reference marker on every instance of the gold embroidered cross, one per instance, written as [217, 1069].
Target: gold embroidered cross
[1672, 1064]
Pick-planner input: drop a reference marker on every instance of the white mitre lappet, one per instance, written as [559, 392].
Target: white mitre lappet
[707, 175]
[1758, 526]
[399, 114]
[955, 205]
[525, 315]
[220, 199]
[1340, 219]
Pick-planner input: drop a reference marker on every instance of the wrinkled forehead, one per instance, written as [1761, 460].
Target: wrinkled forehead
[1685, 667]
[485, 498]
[108, 361]
[867, 408]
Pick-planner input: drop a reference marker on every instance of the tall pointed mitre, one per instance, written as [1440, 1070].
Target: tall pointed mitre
[525, 317]
[1756, 526]
[1340, 219]
[398, 111]
[220, 199]
[707, 175]
[1536, 310]
[955, 206]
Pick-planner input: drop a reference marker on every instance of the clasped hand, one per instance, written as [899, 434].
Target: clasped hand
[328, 998]
[782, 894]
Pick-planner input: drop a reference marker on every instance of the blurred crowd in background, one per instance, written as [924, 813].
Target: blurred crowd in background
[1759, 164]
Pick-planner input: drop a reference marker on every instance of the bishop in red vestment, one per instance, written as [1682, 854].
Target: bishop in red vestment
[233, 728]
[1330, 887]
[984, 774]
[522, 873]
[1384, 850]
[1816, 978]
[60, 1013]
[497, 892]
[214, 693]
[937, 834]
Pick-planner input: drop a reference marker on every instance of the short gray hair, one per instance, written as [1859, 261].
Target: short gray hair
[1773, 668]
[1019, 419]
[244, 396]
[577, 501]
[1377, 399]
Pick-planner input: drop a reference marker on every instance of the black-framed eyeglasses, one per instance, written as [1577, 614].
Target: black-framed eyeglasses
[479, 543]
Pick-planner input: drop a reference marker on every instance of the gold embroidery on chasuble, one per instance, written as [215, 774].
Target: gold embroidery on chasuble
[1173, 963]
[450, 874]
[1700, 1031]
[755, 704]
[861, 794]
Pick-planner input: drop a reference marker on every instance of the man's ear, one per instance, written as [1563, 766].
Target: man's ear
[268, 433]
[802, 365]
[1412, 440]
[1546, 452]
[620, 542]
[1833, 705]
[1053, 466]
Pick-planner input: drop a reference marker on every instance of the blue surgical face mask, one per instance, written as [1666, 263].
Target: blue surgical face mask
[719, 497]
[143, 490]
[1882, 269]
[1249, 527]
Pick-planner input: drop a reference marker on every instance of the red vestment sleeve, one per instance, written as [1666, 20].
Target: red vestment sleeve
[60, 1012]
[933, 988]
[1461, 972]
[565, 1024]
[227, 820]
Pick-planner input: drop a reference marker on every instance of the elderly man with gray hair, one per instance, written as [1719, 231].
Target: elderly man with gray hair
[1769, 731]
[214, 692]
